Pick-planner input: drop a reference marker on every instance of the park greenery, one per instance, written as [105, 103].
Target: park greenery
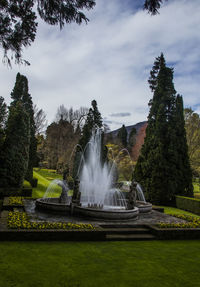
[166, 163]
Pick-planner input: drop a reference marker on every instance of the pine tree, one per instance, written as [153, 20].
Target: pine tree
[16, 147]
[20, 93]
[159, 167]
[122, 135]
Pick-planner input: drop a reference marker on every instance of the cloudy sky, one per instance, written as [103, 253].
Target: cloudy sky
[110, 58]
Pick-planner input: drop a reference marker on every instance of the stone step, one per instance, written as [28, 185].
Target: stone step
[129, 237]
[115, 225]
[126, 231]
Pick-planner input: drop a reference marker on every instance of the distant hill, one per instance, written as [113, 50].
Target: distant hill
[140, 135]
[137, 126]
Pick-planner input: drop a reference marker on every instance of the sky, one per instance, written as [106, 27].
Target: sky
[110, 58]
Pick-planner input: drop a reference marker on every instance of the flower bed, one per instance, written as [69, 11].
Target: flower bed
[20, 220]
[192, 222]
[17, 200]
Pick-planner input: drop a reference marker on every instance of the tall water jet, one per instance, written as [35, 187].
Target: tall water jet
[96, 180]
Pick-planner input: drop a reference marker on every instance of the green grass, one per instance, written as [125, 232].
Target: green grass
[172, 210]
[49, 174]
[103, 264]
[44, 178]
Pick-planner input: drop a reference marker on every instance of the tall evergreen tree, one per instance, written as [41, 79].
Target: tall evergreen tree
[158, 166]
[3, 114]
[185, 186]
[122, 135]
[21, 93]
[16, 147]
[132, 139]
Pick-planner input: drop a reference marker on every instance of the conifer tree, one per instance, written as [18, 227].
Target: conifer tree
[122, 135]
[185, 186]
[16, 147]
[20, 93]
[159, 167]
[3, 114]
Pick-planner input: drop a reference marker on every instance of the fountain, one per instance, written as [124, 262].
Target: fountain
[96, 195]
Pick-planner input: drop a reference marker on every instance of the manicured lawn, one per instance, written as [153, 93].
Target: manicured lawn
[44, 177]
[173, 210]
[91, 264]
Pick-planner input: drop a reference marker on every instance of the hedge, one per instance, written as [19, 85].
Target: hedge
[188, 203]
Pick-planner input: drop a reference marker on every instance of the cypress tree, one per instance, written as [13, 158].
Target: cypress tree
[16, 147]
[122, 135]
[185, 186]
[158, 166]
[3, 114]
[20, 93]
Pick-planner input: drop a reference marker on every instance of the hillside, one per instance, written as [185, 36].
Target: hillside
[140, 135]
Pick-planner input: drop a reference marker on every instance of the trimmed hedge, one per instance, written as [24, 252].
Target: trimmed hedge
[188, 203]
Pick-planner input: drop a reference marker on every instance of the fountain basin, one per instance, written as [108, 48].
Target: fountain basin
[52, 204]
[114, 213]
[107, 214]
[143, 206]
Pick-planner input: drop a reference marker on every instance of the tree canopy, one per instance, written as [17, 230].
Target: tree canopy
[18, 20]
[192, 125]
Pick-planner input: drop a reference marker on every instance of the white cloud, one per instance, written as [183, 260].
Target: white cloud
[110, 58]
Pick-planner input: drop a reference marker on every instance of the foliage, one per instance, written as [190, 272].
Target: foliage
[122, 160]
[59, 144]
[18, 21]
[20, 94]
[193, 222]
[16, 147]
[122, 136]
[20, 220]
[132, 139]
[163, 167]
[152, 6]
[15, 200]
[192, 125]
[3, 116]
[189, 204]
[19, 26]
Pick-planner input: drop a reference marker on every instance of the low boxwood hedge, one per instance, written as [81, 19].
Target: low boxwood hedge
[188, 203]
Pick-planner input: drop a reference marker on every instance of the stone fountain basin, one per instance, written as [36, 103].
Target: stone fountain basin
[143, 206]
[112, 214]
[52, 204]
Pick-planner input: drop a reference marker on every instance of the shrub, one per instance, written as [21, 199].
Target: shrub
[189, 204]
